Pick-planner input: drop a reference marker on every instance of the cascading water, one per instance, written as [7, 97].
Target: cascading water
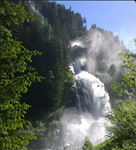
[88, 118]
[90, 54]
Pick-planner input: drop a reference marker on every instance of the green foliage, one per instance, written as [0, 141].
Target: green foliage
[47, 30]
[57, 15]
[16, 12]
[47, 130]
[38, 129]
[106, 145]
[127, 84]
[123, 125]
[51, 37]
[53, 126]
[122, 129]
[55, 58]
[16, 76]
[87, 145]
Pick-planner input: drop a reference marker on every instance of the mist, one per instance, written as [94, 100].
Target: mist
[99, 45]
[87, 118]
[92, 58]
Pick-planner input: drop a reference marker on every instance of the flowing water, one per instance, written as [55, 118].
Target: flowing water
[88, 118]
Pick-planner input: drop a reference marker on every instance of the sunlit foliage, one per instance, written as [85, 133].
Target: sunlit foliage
[16, 77]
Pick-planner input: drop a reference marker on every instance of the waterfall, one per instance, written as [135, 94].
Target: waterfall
[88, 118]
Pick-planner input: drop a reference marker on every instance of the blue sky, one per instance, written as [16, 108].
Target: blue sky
[116, 16]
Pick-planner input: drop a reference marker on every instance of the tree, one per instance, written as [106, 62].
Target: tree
[103, 66]
[16, 77]
[87, 145]
[122, 129]
[128, 82]
[112, 70]
[47, 31]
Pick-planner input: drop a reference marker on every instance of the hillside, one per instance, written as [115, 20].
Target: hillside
[60, 38]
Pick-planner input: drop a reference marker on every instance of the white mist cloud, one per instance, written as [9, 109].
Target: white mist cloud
[99, 45]
[77, 126]
[36, 11]
[32, 4]
[77, 43]
[103, 45]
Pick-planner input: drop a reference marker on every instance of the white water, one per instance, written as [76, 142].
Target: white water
[87, 119]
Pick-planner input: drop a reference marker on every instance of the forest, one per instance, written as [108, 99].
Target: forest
[37, 85]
